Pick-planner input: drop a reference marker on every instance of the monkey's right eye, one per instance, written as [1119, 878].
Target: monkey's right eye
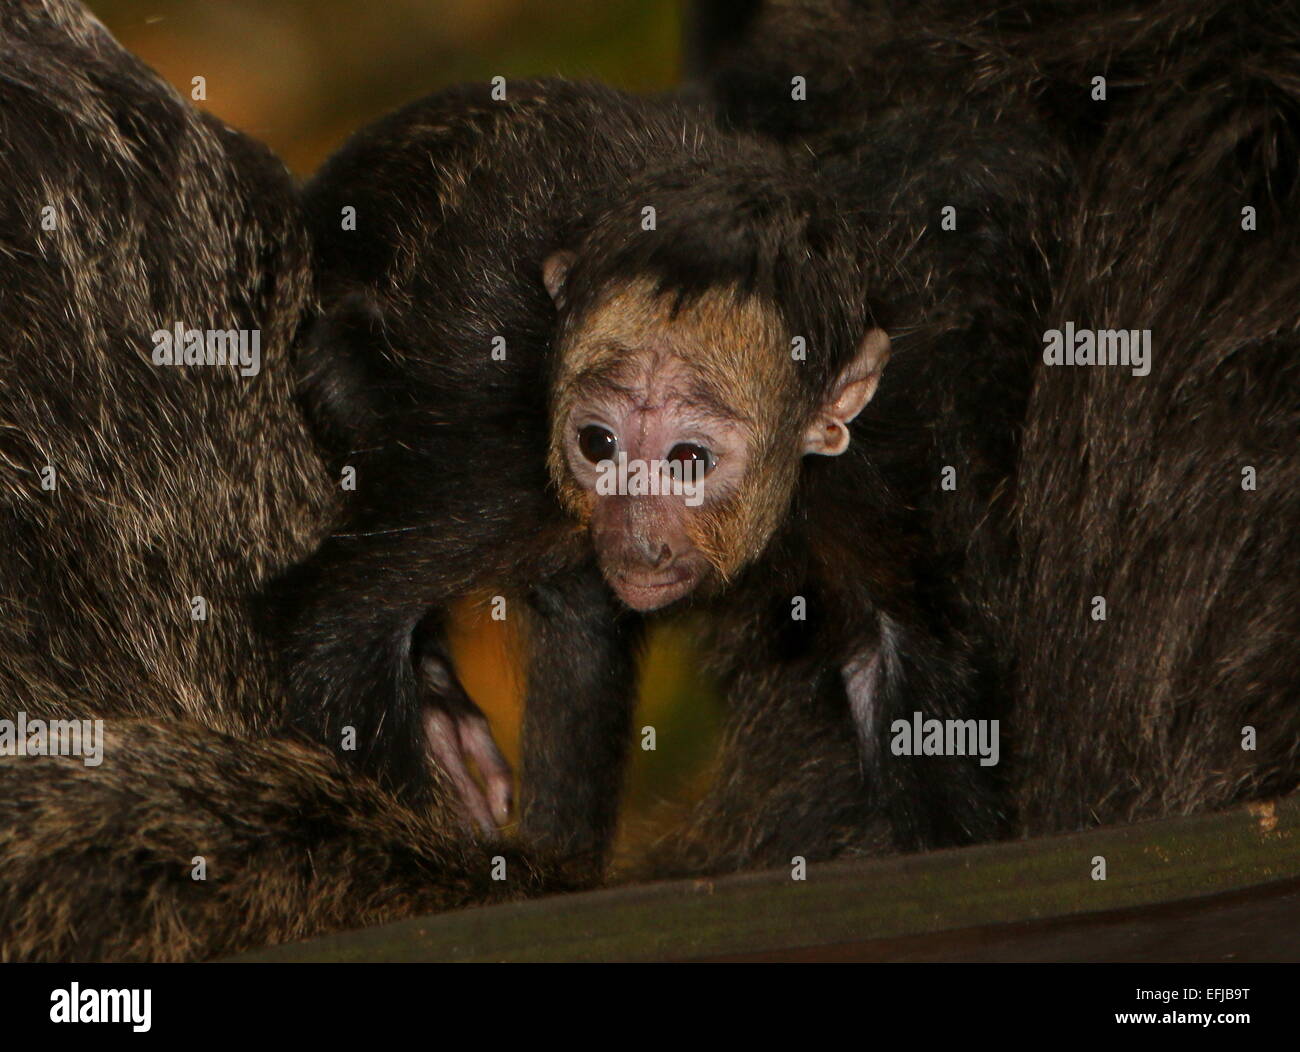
[597, 443]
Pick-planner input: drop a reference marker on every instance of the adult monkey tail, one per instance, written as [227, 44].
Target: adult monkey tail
[188, 844]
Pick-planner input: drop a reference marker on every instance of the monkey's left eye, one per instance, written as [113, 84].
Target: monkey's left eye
[689, 453]
[597, 443]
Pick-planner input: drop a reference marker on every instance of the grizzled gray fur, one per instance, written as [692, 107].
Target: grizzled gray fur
[171, 483]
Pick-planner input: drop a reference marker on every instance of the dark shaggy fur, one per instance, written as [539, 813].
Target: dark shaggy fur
[1128, 487]
[172, 482]
[1131, 487]
[181, 482]
[97, 861]
[885, 127]
[459, 199]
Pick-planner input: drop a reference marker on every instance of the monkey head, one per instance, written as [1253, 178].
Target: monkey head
[678, 427]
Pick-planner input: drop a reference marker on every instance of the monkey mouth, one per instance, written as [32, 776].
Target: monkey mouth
[651, 591]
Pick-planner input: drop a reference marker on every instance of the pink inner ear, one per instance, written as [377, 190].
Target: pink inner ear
[857, 383]
[853, 397]
[827, 437]
[555, 271]
[837, 439]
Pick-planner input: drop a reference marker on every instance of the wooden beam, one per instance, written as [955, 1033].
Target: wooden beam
[1209, 886]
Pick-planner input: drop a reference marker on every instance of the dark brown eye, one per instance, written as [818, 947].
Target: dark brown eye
[687, 453]
[597, 443]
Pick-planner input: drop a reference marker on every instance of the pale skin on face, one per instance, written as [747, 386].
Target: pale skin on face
[645, 547]
[647, 384]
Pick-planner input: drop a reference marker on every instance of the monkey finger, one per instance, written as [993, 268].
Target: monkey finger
[444, 742]
[476, 742]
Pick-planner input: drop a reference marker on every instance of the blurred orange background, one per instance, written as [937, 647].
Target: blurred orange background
[301, 75]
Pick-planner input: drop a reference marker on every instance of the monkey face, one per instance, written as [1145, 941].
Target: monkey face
[654, 460]
[656, 430]
[677, 435]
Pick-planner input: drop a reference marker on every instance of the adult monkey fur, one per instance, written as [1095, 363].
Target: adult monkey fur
[171, 482]
[1129, 488]
[1199, 572]
[472, 470]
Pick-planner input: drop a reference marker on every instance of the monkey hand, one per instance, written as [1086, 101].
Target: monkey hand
[457, 734]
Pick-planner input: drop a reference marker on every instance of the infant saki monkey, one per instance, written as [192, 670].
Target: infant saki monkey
[653, 290]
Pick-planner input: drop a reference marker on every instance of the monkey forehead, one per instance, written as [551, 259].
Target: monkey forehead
[720, 352]
[654, 381]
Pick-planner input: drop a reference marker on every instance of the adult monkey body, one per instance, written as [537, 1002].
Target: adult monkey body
[476, 471]
[1128, 488]
[125, 212]
[1173, 496]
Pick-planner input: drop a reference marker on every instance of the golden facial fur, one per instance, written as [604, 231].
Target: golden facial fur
[720, 366]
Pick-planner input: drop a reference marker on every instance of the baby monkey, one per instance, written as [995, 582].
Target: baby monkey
[582, 350]
[710, 392]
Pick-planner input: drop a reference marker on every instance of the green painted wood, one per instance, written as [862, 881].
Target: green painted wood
[763, 915]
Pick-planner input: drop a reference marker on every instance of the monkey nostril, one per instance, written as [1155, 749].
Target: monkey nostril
[655, 554]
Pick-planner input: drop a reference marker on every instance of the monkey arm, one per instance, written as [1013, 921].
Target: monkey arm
[805, 767]
[901, 644]
[578, 717]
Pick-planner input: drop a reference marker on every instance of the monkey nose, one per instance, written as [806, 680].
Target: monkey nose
[656, 553]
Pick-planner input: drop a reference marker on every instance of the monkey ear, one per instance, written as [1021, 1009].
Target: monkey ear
[828, 434]
[555, 272]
